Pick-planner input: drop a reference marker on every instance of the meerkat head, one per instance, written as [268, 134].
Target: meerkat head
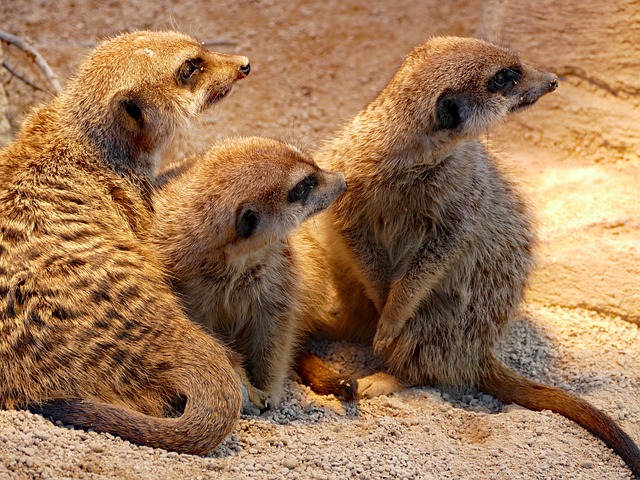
[261, 189]
[136, 90]
[461, 86]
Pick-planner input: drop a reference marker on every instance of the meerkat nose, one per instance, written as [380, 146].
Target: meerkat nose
[553, 83]
[245, 68]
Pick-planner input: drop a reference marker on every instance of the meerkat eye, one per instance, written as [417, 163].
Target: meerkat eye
[302, 189]
[188, 68]
[504, 79]
[499, 80]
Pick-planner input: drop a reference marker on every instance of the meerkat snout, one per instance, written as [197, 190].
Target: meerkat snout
[553, 83]
[337, 186]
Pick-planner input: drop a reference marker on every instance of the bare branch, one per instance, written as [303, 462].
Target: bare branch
[13, 72]
[38, 59]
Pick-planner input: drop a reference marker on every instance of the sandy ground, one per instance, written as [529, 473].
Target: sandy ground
[315, 64]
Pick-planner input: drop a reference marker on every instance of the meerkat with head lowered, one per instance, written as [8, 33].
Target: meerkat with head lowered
[90, 331]
[431, 247]
[224, 230]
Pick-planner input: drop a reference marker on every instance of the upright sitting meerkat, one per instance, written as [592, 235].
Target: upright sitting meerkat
[431, 247]
[224, 231]
[90, 331]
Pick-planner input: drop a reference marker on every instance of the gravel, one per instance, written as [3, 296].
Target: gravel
[421, 433]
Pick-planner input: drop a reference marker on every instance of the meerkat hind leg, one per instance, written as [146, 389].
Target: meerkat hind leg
[323, 379]
[379, 383]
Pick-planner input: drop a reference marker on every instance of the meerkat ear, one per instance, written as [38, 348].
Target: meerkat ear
[453, 110]
[246, 220]
[129, 111]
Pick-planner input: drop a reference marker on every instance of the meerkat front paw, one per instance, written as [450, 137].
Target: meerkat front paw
[255, 400]
[386, 333]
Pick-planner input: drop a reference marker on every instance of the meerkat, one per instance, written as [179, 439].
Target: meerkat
[225, 230]
[431, 247]
[90, 331]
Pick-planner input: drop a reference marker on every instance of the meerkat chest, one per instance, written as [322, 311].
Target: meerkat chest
[399, 222]
[248, 287]
[417, 204]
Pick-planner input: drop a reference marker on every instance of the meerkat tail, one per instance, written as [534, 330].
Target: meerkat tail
[166, 433]
[511, 387]
[210, 414]
[322, 379]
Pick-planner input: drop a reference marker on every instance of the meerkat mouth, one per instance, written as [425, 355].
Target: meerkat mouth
[215, 97]
[523, 103]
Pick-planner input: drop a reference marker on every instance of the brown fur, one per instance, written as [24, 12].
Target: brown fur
[90, 331]
[431, 247]
[223, 230]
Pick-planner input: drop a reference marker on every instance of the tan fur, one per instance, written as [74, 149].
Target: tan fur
[431, 247]
[224, 228]
[90, 331]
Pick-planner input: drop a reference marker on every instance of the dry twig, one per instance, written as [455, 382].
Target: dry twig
[35, 56]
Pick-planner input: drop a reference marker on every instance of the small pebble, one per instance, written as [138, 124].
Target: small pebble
[42, 434]
[290, 462]
[29, 451]
[96, 447]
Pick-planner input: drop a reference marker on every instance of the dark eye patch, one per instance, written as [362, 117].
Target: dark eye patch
[188, 68]
[301, 190]
[505, 79]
